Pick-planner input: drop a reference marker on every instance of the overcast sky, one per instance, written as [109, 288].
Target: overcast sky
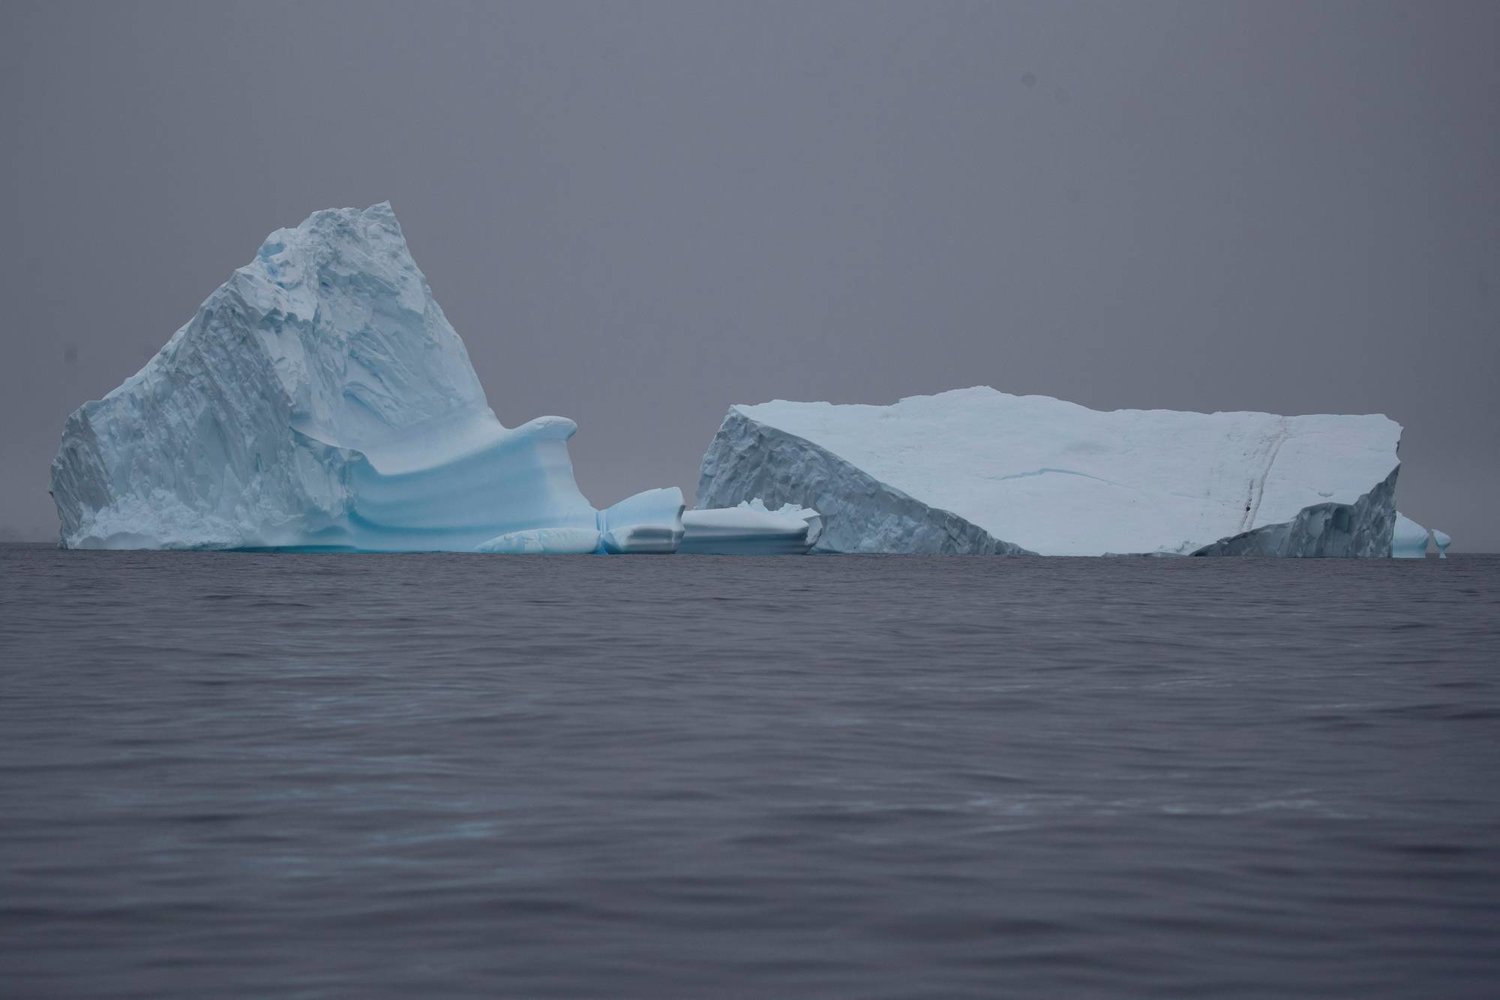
[638, 214]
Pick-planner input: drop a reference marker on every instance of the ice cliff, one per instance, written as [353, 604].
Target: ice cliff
[981, 471]
[320, 399]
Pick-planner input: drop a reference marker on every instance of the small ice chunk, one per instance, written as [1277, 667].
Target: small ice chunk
[751, 529]
[1443, 540]
[647, 523]
[1409, 540]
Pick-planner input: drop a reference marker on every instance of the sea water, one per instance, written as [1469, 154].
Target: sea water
[285, 775]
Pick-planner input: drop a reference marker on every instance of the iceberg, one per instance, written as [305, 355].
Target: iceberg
[1409, 540]
[649, 522]
[319, 399]
[750, 528]
[985, 472]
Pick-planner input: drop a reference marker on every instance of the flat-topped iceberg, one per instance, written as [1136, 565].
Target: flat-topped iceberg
[981, 471]
[320, 399]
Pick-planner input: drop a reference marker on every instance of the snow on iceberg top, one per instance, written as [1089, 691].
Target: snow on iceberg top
[1038, 471]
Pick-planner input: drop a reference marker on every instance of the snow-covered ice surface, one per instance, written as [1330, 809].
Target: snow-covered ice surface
[981, 471]
[320, 399]
[750, 528]
[1409, 540]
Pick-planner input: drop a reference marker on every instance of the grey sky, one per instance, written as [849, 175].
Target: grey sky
[637, 214]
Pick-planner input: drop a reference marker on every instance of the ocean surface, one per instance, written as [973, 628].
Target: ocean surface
[228, 775]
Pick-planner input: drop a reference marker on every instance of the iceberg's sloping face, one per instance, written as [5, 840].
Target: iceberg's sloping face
[319, 398]
[976, 470]
[749, 459]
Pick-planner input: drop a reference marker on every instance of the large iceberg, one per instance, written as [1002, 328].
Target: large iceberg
[981, 471]
[320, 399]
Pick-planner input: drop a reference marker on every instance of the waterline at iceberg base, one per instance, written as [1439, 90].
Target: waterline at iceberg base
[978, 471]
